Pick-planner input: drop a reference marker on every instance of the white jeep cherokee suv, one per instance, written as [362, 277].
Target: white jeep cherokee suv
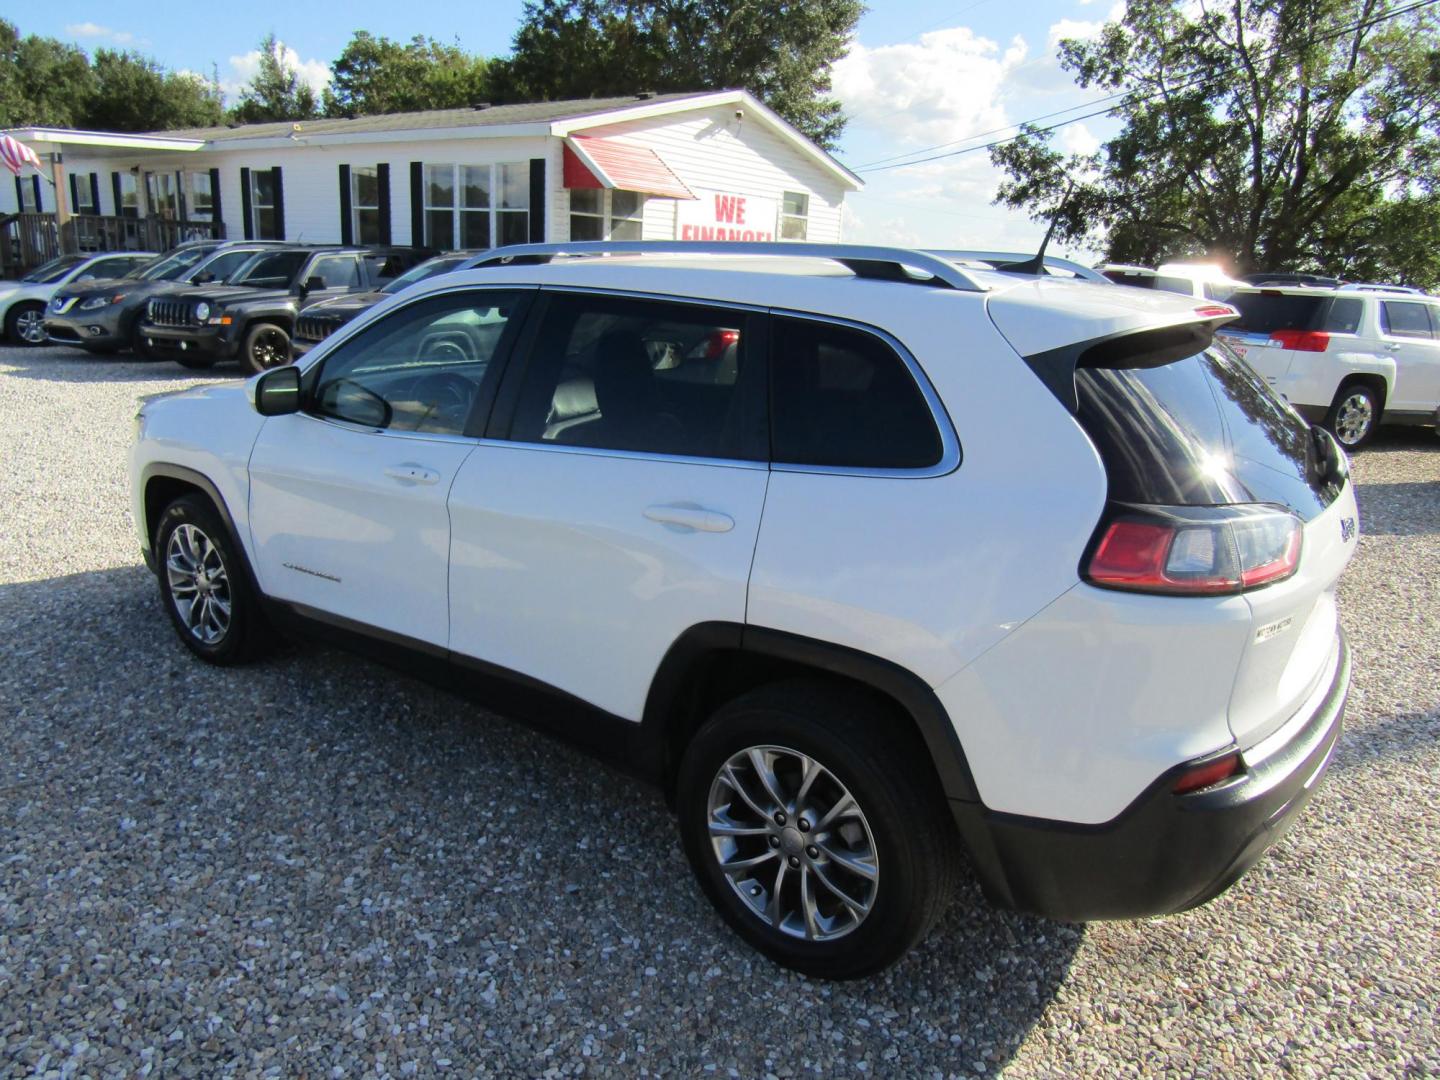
[1348, 357]
[870, 562]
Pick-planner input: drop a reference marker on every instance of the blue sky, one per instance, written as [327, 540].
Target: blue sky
[921, 73]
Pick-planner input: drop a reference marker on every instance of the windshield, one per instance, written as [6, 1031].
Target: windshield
[170, 267]
[54, 270]
[1201, 431]
[427, 269]
[270, 269]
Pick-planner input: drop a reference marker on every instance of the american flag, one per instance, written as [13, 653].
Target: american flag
[15, 155]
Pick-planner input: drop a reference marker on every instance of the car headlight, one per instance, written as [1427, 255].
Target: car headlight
[202, 311]
[97, 302]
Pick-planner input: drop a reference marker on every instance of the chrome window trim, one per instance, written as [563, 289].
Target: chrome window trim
[666, 298]
[637, 455]
[949, 441]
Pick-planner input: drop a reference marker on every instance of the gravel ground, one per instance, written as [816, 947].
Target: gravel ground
[314, 867]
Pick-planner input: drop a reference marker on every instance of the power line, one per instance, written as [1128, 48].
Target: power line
[879, 166]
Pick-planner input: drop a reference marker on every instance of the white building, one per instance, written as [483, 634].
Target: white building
[656, 167]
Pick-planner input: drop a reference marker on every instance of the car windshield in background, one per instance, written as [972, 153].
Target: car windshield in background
[54, 270]
[1266, 312]
[169, 267]
[427, 269]
[270, 269]
[1201, 431]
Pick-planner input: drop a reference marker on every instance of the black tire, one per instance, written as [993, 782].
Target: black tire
[135, 339]
[266, 346]
[857, 738]
[24, 313]
[245, 635]
[1354, 415]
[195, 361]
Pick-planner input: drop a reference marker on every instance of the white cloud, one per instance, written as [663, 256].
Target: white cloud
[104, 33]
[243, 68]
[944, 87]
[1078, 139]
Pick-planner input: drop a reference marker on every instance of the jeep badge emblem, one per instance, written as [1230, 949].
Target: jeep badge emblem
[1347, 529]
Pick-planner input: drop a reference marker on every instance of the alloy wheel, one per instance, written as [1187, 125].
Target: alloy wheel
[199, 585]
[271, 348]
[30, 325]
[793, 843]
[1353, 419]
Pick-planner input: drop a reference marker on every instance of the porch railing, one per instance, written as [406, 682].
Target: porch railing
[29, 239]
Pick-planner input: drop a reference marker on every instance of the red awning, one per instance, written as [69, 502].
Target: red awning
[600, 163]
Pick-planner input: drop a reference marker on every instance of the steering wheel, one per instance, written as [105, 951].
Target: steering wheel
[448, 397]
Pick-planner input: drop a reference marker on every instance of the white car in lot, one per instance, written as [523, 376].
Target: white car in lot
[1350, 358]
[1205, 280]
[22, 303]
[871, 563]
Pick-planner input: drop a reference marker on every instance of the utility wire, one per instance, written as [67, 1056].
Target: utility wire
[880, 166]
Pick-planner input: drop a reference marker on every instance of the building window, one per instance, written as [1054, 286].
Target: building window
[365, 203]
[84, 196]
[262, 204]
[199, 197]
[460, 211]
[597, 214]
[162, 192]
[794, 216]
[129, 196]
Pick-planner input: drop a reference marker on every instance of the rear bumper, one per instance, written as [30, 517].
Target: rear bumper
[1165, 853]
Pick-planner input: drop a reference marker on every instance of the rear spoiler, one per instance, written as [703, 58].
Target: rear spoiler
[1150, 348]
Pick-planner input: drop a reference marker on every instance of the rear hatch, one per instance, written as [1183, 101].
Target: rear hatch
[1191, 433]
[1277, 327]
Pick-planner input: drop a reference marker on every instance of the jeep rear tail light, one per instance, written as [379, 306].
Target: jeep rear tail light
[718, 342]
[1301, 340]
[1205, 551]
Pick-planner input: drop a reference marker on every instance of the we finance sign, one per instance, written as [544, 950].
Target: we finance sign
[720, 215]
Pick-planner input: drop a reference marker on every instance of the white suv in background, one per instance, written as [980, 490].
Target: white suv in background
[865, 559]
[1349, 357]
[1205, 280]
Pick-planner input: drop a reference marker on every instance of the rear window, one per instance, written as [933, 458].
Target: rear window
[1265, 312]
[1200, 432]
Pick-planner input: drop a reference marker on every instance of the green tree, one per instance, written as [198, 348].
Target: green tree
[276, 92]
[134, 93]
[1271, 134]
[43, 82]
[376, 75]
[779, 50]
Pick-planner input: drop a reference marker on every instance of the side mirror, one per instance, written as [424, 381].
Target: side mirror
[314, 284]
[277, 392]
[202, 278]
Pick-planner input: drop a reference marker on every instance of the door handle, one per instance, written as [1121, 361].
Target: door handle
[694, 518]
[413, 474]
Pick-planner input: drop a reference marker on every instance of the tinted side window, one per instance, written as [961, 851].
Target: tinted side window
[1403, 319]
[422, 368]
[1344, 315]
[647, 376]
[1265, 312]
[337, 271]
[843, 397]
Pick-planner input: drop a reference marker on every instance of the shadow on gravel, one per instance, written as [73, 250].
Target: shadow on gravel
[311, 832]
[56, 363]
[1408, 509]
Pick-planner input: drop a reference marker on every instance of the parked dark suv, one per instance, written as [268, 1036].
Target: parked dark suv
[319, 320]
[104, 317]
[252, 315]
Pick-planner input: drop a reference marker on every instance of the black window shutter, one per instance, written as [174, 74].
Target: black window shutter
[95, 191]
[39, 201]
[19, 194]
[115, 190]
[246, 207]
[417, 203]
[279, 204]
[382, 182]
[347, 227]
[74, 195]
[537, 200]
[218, 216]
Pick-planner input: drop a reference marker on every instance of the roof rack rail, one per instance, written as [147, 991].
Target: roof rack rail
[999, 260]
[1370, 286]
[879, 263]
